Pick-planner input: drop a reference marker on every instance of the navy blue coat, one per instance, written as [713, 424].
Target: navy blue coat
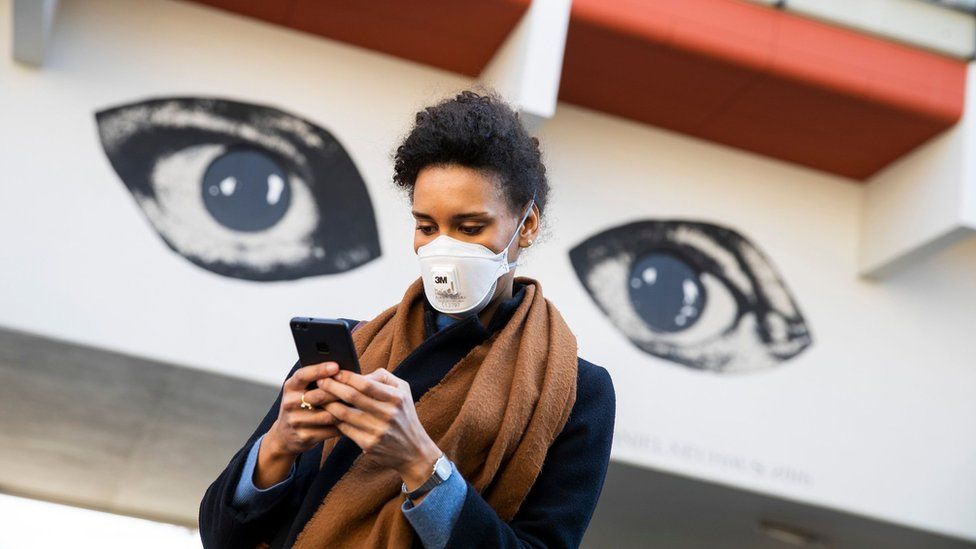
[555, 513]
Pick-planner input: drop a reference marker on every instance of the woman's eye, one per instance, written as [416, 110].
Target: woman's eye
[471, 230]
[693, 293]
[242, 190]
[426, 229]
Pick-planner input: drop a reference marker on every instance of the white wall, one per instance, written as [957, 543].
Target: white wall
[876, 417]
[923, 24]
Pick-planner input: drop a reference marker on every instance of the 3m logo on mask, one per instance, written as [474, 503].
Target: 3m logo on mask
[445, 282]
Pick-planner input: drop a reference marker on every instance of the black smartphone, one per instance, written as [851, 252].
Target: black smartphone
[324, 340]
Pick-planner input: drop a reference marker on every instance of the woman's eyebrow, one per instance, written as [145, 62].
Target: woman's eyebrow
[469, 215]
[455, 217]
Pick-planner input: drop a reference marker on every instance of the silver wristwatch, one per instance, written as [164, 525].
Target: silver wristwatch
[442, 470]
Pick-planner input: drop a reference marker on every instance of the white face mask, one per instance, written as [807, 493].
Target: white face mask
[460, 277]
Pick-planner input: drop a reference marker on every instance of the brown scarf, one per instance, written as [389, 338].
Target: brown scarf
[495, 414]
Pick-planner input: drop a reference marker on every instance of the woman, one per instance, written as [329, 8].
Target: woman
[474, 423]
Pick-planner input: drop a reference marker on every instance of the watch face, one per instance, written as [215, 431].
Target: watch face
[443, 468]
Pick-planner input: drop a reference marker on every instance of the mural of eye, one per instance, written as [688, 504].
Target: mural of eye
[242, 190]
[693, 293]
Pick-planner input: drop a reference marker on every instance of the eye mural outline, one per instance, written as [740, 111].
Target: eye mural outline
[693, 293]
[242, 190]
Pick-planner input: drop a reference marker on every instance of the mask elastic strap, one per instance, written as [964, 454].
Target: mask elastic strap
[524, 217]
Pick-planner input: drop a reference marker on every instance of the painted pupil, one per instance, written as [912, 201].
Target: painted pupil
[245, 190]
[666, 292]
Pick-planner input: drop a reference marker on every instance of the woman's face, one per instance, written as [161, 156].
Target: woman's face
[468, 205]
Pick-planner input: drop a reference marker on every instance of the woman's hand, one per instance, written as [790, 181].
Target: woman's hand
[380, 417]
[297, 429]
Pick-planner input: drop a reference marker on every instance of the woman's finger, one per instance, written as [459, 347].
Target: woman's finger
[318, 397]
[370, 387]
[317, 434]
[357, 418]
[292, 400]
[385, 377]
[364, 439]
[307, 374]
[320, 418]
[320, 430]
[350, 395]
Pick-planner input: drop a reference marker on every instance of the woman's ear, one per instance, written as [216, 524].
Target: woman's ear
[530, 229]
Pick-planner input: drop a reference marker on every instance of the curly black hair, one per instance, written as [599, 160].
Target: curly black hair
[479, 131]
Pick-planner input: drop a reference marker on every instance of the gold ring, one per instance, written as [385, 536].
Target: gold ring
[305, 405]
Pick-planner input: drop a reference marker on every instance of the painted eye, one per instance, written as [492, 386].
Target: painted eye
[693, 293]
[242, 190]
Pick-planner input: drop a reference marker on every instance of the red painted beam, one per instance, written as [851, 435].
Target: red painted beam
[457, 35]
[728, 71]
[760, 79]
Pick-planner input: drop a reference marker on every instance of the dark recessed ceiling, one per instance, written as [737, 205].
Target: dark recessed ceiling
[647, 508]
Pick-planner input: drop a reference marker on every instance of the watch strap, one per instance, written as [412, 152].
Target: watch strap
[441, 471]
